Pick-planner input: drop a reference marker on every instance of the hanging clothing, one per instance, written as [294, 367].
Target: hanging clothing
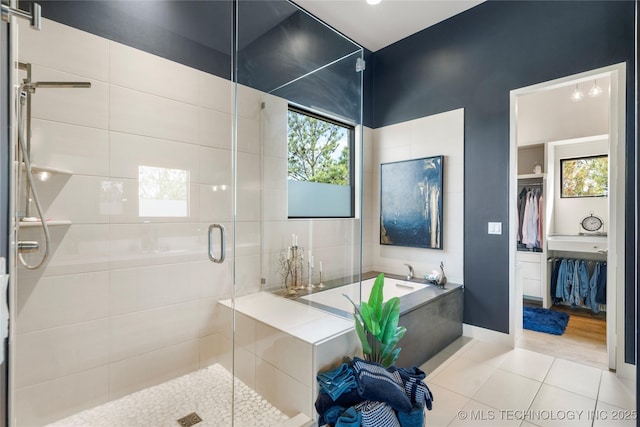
[601, 293]
[529, 210]
[571, 283]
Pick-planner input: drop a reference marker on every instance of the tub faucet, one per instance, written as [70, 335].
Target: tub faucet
[410, 275]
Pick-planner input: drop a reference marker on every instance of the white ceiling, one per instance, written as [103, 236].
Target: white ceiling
[375, 27]
[551, 115]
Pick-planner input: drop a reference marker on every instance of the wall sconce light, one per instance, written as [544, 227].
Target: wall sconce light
[372, 2]
[577, 94]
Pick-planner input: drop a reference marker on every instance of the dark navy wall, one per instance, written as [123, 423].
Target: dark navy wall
[473, 61]
[193, 33]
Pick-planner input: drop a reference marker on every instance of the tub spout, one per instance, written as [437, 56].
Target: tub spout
[410, 275]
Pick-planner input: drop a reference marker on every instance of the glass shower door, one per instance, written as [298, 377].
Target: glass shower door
[168, 135]
[126, 322]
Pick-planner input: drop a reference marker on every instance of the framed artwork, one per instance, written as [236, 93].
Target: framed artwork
[411, 203]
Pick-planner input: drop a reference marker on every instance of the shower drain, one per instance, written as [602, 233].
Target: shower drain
[189, 420]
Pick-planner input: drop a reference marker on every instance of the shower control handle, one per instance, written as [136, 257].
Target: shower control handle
[223, 240]
[28, 247]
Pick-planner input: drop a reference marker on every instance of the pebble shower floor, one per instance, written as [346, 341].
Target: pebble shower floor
[164, 404]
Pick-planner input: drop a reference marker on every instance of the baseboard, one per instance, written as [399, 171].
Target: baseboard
[627, 370]
[488, 335]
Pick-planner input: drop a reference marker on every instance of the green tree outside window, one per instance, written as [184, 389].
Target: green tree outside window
[585, 176]
[318, 150]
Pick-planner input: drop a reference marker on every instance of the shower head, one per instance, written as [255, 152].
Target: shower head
[47, 85]
[31, 87]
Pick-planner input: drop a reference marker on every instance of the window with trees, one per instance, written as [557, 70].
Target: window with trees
[585, 176]
[320, 166]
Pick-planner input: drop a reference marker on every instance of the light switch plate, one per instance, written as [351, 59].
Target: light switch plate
[495, 228]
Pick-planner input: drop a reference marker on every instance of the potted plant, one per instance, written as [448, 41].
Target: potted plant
[377, 325]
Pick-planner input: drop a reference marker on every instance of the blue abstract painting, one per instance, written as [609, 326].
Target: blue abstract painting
[411, 203]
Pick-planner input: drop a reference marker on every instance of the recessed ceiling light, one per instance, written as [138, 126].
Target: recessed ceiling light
[373, 1]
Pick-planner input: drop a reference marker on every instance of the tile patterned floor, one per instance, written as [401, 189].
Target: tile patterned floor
[476, 383]
[198, 392]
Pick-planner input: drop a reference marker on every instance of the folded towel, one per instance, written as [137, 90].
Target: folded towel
[378, 414]
[337, 381]
[413, 372]
[347, 399]
[416, 389]
[331, 415]
[349, 418]
[414, 418]
[378, 384]
[419, 394]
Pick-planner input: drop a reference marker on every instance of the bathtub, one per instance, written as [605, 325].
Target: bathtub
[334, 299]
[432, 315]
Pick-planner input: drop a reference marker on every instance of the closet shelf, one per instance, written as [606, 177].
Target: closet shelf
[578, 243]
[27, 224]
[532, 175]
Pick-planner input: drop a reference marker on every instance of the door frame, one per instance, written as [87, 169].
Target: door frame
[616, 259]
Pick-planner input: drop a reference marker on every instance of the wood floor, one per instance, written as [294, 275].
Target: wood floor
[584, 340]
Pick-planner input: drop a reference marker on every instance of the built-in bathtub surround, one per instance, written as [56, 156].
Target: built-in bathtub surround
[128, 301]
[431, 314]
[440, 134]
[281, 345]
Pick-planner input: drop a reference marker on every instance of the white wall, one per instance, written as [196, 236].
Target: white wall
[440, 134]
[568, 212]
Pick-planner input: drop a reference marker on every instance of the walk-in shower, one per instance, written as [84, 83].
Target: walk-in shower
[184, 125]
[23, 115]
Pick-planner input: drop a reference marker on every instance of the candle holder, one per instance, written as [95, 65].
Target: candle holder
[320, 285]
[291, 269]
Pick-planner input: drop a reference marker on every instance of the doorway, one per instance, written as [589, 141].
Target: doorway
[550, 123]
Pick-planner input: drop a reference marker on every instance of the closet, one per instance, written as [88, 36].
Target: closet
[530, 266]
[557, 128]
[559, 227]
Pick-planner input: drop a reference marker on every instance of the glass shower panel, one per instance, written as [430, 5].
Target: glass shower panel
[127, 322]
[286, 58]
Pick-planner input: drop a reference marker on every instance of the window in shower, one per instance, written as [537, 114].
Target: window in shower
[320, 166]
[163, 192]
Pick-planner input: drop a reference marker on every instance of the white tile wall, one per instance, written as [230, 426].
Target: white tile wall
[66, 49]
[77, 106]
[51, 301]
[128, 152]
[140, 113]
[142, 71]
[132, 374]
[440, 134]
[83, 150]
[49, 401]
[56, 352]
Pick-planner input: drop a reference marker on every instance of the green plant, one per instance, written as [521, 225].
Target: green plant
[377, 326]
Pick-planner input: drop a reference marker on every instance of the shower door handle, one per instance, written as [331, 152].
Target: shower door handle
[223, 240]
